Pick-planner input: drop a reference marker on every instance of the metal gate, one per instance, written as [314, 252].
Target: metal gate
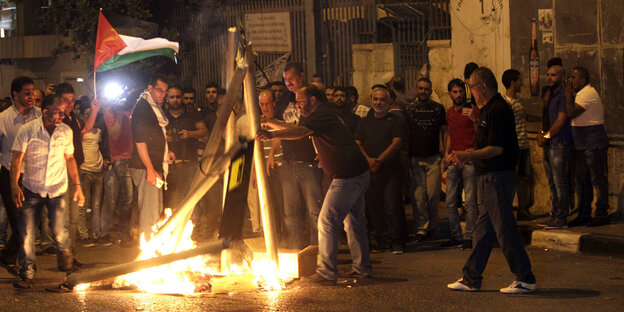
[336, 26]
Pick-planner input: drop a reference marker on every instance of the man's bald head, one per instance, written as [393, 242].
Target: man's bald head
[555, 76]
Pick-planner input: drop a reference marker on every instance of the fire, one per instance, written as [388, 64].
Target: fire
[195, 275]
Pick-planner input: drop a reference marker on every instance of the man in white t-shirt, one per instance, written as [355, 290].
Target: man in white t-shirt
[586, 111]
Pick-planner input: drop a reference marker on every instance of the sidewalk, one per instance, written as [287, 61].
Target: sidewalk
[603, 240]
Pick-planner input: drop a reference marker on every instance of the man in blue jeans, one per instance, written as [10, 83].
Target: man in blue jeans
[299, 172]
[45, 147]
[591, 143]
[495, 157]
[462, 120]
[559, 147]
[342, 160]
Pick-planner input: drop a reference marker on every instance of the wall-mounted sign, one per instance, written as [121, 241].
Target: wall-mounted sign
[269, 32]
[545, 18]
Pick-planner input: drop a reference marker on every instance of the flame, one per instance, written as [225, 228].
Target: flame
[194, 275]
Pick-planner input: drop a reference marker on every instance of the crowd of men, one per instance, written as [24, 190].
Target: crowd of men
[333, 165]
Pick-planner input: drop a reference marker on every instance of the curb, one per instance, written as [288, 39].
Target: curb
[587, 243]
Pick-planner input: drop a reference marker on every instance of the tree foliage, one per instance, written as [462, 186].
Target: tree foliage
[77, 20]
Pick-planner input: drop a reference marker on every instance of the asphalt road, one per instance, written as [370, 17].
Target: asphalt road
[415, 281]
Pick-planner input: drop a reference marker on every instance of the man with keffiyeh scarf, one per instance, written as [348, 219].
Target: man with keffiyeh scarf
[151, 156]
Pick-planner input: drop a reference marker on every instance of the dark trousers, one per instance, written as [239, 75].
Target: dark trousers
[384, 209]
[497, 222]
[591, 171]
[525, 180]
[14, 243]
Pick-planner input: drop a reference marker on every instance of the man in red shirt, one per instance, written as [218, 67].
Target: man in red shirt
[117, 180]
[461, 120]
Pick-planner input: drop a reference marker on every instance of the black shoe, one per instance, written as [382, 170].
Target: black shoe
[24, 283]
[87, 242]
[525, 216]
[397, 249]
[555, 224]
[420, 236]
[466, 244]
[104, 241]
[579, 221]
[51, 250]
[380, 249]
[10, 267]
[317, 279]
[356, 274]
[452, 243]
[599, 221]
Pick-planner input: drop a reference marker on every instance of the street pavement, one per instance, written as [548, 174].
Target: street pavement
[414, 281]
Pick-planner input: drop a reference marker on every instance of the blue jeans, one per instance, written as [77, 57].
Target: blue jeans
[29, 215]
[559, 157]
[118, 190]
[149, 201]
[497, 222]
[344, 204]
[384, 207]
[303, 197]
[455, 174]
[591, 171]
[4, 223]
[92, 187]
[426, 185]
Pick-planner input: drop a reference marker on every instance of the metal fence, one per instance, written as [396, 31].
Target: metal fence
[339, 24]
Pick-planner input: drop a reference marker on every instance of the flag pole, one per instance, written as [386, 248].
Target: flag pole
[94, 86]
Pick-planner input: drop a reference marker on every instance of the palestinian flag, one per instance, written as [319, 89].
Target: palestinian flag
[113, 50]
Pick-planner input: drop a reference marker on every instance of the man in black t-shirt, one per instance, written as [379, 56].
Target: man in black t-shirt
[150, 158]
[426, 122]
[342, 160]
[380, 136]
[301, 178]
[495, 156]
[183, 130]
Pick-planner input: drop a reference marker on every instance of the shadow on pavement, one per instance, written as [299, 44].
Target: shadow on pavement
[563, 293]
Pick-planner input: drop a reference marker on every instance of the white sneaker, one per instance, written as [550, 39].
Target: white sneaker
[461, 285]
[518, 288]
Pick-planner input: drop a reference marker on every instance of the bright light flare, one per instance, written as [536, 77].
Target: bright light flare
[113, 90]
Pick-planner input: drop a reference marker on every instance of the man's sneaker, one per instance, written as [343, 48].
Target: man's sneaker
[466, 244]
[579, 221]
[380, 249]
[397, 249]
[9, 265]
[525, 215]
[24, 283]
[451, 243]
[599, 221]
[545, 221]
[555, 224]
[317, 279]
[87, 242]
[461, 285]
[104, 241]
[518, 288]
[356, 274]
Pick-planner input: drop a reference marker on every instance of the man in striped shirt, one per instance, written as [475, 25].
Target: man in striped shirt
[513, 84]
[45, 147]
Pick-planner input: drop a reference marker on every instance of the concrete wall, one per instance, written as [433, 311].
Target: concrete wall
[441, 62]
[480, 34]
[370, 63]
[586, 33]
[48, 70]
